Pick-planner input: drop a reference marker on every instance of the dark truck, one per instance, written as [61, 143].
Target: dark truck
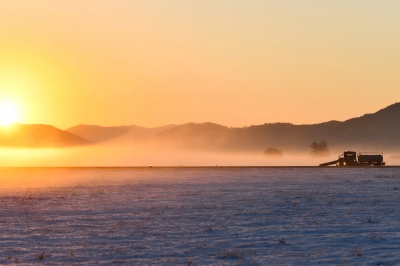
[351, 158]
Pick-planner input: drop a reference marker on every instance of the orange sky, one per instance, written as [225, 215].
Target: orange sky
[230, 62]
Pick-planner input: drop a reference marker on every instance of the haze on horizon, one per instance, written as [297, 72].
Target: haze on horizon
[235, 63]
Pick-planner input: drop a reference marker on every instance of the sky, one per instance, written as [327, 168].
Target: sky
[235, 63]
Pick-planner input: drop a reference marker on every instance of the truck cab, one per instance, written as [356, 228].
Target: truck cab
[347, 158]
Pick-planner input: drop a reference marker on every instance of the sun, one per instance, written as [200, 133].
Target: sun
[8, 113]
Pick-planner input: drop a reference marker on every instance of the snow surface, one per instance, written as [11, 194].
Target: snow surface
[201, 216]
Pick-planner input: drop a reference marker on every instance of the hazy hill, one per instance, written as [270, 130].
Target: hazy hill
[98, 133]
[37, 136]
[371, 132]
[115, 134]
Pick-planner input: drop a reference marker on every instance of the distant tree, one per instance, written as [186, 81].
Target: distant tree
[272, 152]
[319, 149]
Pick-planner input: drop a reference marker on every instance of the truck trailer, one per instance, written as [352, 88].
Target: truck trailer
[351, 158]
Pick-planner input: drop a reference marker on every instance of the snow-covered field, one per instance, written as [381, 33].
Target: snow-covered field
[200, 216]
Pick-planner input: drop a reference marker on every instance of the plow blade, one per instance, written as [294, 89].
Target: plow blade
[329, 163]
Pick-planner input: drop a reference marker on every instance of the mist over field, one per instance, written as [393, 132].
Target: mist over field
[106, 155]
[145, 155]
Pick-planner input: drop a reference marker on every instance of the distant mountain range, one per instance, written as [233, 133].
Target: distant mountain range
[375, 132]
[378, 131]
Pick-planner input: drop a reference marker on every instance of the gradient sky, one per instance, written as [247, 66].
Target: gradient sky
[231, 62]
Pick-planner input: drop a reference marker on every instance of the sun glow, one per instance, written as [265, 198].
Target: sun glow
[8, 114]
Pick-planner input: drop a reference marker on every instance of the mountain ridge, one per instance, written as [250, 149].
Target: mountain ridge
[379, 130]
[374, 131]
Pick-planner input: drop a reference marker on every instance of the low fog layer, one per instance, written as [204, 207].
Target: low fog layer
[146, 155]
